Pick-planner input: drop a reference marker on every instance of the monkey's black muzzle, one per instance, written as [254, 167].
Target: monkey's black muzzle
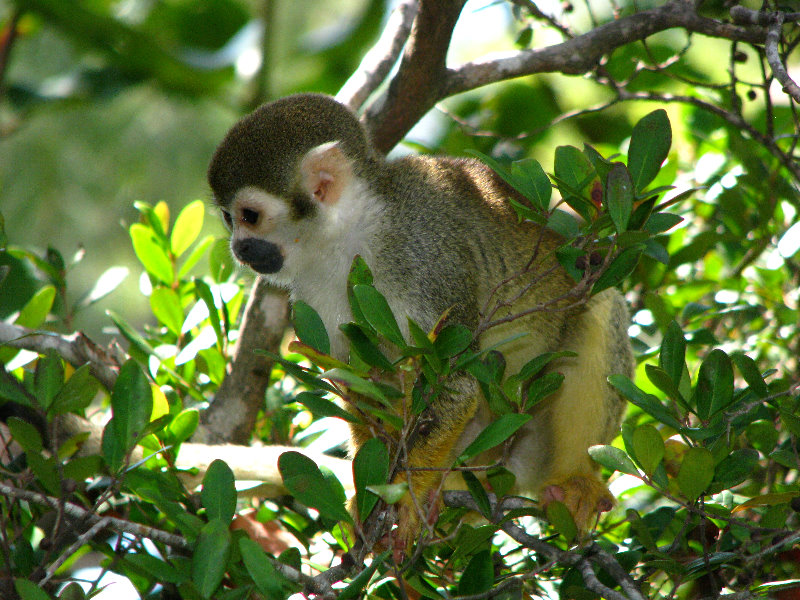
[259, 255]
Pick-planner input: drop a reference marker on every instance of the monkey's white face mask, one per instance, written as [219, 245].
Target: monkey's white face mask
[314, 236]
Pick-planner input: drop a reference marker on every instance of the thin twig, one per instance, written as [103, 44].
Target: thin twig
[74, 547]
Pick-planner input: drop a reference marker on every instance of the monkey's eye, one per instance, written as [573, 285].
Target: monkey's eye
[226, 216]
[249, 216]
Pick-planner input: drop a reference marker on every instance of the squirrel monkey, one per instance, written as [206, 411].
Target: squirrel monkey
[302, 191]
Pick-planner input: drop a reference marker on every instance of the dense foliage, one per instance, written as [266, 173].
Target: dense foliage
[690, 214]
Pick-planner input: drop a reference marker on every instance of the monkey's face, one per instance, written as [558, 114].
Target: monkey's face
[261, 228]
[285, 235]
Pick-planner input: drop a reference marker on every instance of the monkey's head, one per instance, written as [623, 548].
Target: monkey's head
[280, 172]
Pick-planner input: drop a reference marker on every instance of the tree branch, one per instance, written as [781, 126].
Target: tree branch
[582, 53]
[423, 78]
[76, 349]
[232, 414]
[378, 62]
[417, 86]
[76, 512]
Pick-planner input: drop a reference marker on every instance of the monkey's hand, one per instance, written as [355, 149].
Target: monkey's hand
[584, 494]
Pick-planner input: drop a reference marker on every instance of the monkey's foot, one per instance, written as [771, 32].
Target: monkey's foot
[584, 495]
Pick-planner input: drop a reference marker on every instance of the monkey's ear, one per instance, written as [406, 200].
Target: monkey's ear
[326, 172]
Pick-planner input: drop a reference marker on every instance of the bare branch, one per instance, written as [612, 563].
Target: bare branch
[581, 54]
[76, 349]
[746, 16]
[417, 85]
[231, 415]
[774, 57]
[380, 59]
[74, 547]
[76, 512]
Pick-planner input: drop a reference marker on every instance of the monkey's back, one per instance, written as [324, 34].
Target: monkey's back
[459, 226]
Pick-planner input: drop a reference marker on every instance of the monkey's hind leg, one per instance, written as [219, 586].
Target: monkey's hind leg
[586, 410]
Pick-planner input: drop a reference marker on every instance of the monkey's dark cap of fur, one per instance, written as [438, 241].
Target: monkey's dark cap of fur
[263, 148]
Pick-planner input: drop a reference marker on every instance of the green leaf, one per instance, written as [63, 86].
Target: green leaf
[452, 340]
[573, 172]
[267, 578]
[648, 446]
[196, 254]
[105, 284]
[166, 306]
[563, 224]
[714, 389]
[602, 166]
[12, 389]
[390, 492]
[478, 575]
[736, 467]
[561, 520]
[532, 181]
[535, 365]
[749, 370]
[154, 567]
[309, 327]
[183, 425]
[661, 222]
[619, 196]
[204, 293]
[378, 314]
[321, 407]
[130, 334]
[28, 590]
[187, 227]
[73, 591]
[305, 482]
[359, 275]
[45, 470]
[219, 492]
[542, 387]
[613, 458]
[501, 480]
[662, 381]
[48, 378]
[496, 433]
[150, 253]
[35, 311]
[362, 345]
[622, 266]
[672, 357]
[25, 434]
[354, 588]
[357, 384]
[696, 472]
[131, 407]
[77, 393]
[650, 142]
[210, 558]
[478, 493]
[220, 260]
[647, 402]
[370, 467]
